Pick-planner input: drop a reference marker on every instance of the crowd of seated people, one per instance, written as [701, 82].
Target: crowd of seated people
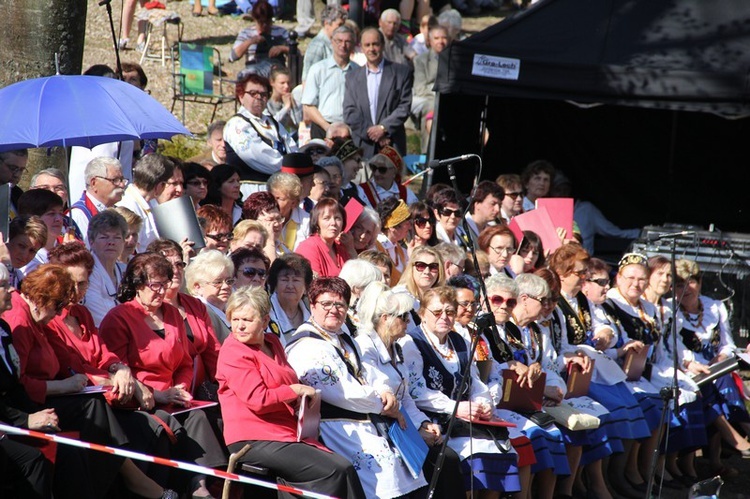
[324, 277]
[371, 311]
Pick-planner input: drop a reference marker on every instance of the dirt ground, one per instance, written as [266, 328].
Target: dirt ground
[220, 32]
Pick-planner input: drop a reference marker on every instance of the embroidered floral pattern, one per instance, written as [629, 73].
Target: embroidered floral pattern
[436, 379]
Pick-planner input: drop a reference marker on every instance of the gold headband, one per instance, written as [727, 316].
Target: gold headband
[633, 259]
[398, 215]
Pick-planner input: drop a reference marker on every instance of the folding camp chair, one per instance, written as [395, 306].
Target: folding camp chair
[200, 79]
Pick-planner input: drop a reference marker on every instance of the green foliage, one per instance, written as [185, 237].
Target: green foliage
[182, 147]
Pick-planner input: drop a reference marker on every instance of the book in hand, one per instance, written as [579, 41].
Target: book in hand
[635, 363]
[175, 409]
[308, 417]
[718, 370]
[409, 444]
[519, 398]
[578, 381]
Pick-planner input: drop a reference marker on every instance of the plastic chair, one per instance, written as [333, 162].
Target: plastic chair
[415, 162]
[195, 82]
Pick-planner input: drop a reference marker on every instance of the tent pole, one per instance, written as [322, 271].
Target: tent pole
[431, 146]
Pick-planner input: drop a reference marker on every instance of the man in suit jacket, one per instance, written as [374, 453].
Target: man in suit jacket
[377, 98]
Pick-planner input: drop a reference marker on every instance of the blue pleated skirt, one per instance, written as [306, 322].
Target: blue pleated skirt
[651, 405]
[596, 443]
[549, 449]
[625, 420]
[491, 472]
[737, 412]
[687, 431]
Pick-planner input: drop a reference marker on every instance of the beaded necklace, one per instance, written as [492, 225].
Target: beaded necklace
[451, 353]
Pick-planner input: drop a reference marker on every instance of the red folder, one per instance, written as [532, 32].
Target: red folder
[538, 221]
[521, 398]
[560, 211]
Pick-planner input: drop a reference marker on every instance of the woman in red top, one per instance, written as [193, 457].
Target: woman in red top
[149, 336]
[45, 370]
[328, 247]
[259, 394]
[203, 345]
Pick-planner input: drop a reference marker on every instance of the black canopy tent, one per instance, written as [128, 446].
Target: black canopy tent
[643, 104]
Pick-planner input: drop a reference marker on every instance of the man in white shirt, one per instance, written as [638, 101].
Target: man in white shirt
[150, 176]
[105, 185]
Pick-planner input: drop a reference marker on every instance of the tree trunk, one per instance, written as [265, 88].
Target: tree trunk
[33, 32]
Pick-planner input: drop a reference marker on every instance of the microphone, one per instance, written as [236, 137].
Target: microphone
[671, 235]
[437, 163]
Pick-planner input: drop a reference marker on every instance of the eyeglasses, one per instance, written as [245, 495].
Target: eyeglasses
[328, 305]
[421, 266]
[514, 195]
[404, 317]
[602, 281]
[460, 267]
[251, 272]
[224, 236]
[379, 169]
[179, 265]
[257, 94]
[447, 212]
[14, 168]
[221, 282]
[580, 273]
[468, 304]
[543, 301]
[316, 150]
[116, 181]
[198, 182]
[422, 221]
[498, 300]
[157, 287]
[449, 312]
[500, 250]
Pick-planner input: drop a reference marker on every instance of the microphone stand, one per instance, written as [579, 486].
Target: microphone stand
[667, 393]
[108, 3]
[483, 321]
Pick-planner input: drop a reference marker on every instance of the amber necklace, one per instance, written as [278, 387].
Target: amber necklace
[649, 321]
[697, 323]
[449, 355]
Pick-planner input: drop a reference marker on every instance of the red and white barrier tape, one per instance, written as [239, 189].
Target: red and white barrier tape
[12, 430]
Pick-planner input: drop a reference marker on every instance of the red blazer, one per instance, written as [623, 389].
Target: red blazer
[254, 394]
[316, 251]
[204, 341]
[40, 362]
[156, 362]
[88, 354]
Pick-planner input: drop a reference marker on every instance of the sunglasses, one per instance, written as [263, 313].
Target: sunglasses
[580, 273]
[316, 150]
[421, 266]
[447, 212]
[602, 281]
[422, 221]
[542, 301]
[228, 236]
[498, 300]
[252, 272]
[258, 94]
[379, 169]
[449, 312]
[404, 317]
[514, 195]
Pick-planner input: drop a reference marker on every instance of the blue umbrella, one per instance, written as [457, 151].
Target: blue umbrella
[80, 111]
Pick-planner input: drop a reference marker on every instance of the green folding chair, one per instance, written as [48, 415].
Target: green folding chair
[199, 79]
